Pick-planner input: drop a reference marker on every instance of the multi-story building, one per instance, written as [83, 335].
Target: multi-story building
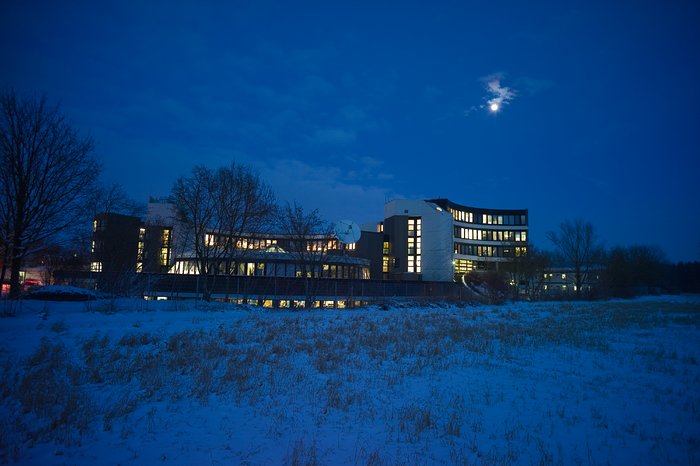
[439, 240]
[123, 244]
[418, 240]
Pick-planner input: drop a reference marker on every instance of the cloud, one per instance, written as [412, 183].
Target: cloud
[500, 95]
[327, 188]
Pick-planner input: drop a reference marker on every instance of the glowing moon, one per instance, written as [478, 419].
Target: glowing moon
[493, 107]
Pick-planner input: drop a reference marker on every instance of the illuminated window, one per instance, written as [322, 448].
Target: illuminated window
[164, 256]
[209, 240]
[96, 267]
[414, 245]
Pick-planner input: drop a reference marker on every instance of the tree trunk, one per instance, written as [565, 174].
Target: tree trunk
[5, 257]
[15, 265]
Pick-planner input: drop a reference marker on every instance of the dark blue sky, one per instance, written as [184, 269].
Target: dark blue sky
[342, 106]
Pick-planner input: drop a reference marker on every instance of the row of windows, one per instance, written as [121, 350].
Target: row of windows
[414, 246]
[414, 226]
[489, 251]
[488, 219]
[504, 219]
[464, 266]
[212, 240]
[462, 216]
[490, 235]
[274, 269]
[323, 245]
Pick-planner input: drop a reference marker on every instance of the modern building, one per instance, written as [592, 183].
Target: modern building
[439, 240]
[123, 244]
[431, 241]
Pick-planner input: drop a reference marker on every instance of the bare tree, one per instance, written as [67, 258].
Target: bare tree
[46, 175]
[309, 236]
[578, 243]
[216, 208]
[113, 199]
[527, 272]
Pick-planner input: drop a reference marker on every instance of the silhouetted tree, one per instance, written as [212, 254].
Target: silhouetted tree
[527, 272]
[636, 270]
[47, 173]
[578, 244]
[216, 207]
[308, 236]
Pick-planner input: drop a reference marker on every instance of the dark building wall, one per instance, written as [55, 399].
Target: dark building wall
[116, 239]
[370, 247]
[156, 248]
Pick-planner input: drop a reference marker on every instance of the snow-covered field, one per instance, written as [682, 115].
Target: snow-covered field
[136, 382]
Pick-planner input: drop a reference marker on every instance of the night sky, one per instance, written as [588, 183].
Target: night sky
[342, 106]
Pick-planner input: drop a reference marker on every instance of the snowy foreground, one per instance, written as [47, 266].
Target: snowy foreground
[136, 382]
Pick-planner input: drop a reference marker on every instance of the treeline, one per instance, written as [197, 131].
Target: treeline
[591, 270]
[641, 270]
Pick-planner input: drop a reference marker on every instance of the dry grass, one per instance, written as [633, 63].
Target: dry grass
[342, 363]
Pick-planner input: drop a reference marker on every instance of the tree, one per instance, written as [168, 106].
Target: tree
[216, 208]
[636, 270]
[527, 272]
[578, 243]
[308, 235]
[47, 173]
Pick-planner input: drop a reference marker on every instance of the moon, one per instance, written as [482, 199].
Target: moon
[494, 107]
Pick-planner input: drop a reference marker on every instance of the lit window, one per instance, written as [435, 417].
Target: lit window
[96, 267]
[209, 240]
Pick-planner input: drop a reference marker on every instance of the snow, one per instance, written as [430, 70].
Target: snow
[176, 382]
